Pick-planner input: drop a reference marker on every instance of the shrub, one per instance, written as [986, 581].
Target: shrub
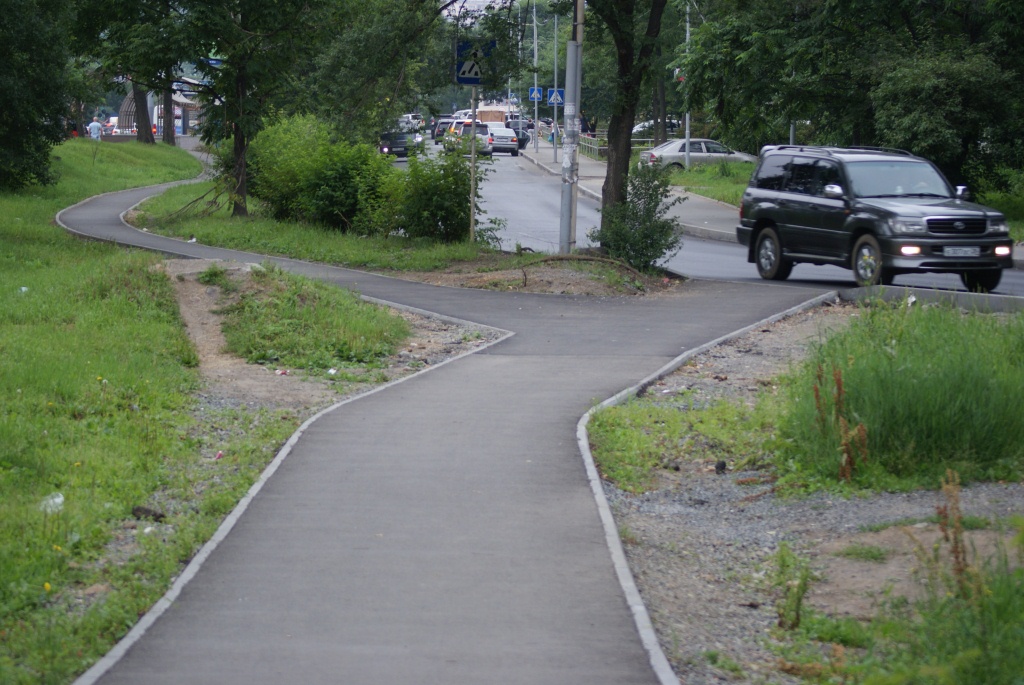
[638, 231]
[436, 205]
[302, 174]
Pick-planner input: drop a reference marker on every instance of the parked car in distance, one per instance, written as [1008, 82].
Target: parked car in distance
[400, 143]
[647, 127]
[440, 128]
[702, 151]
[460, 129]
[879, 213]
[505, 139]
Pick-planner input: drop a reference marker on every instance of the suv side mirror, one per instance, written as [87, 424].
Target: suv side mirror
[962, 193]
[833, 192]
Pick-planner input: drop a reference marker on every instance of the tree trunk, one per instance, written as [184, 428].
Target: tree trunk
[168, 136]
[633, 57]
[240, 207]
[620, 147]
[143, 127]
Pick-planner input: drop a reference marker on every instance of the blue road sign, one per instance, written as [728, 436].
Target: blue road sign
[536, 94]
[469, 62]
[556, 96]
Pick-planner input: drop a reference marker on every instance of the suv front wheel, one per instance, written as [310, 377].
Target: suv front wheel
[771, 265]
[866, 263]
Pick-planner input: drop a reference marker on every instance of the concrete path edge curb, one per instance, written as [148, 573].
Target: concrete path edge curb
[648, 636]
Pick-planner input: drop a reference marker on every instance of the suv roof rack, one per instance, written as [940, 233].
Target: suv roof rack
[873, 148]
[832, 150]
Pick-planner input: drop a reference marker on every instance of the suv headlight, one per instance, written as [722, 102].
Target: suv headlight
[899, 225]
[998, 226]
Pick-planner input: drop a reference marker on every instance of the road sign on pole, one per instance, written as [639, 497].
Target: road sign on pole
[556, 96]
[536, 94]
[469, 62]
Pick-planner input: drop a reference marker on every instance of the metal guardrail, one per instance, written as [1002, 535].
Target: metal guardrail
[595, 145]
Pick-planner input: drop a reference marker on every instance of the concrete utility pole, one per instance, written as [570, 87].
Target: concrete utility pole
[536, 103]
[686, 159]
[571, 133]
[554, 120]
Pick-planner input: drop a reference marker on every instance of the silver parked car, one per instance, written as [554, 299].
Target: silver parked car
[505, 139]
[702, 151]
[458, 132]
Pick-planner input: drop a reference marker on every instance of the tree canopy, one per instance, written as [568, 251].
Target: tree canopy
[34, 88]
[941, 78]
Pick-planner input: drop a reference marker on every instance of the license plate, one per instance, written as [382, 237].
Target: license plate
[961, 251]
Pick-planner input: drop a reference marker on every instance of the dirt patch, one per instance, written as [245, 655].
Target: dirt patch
[579, 275]
[229, 379]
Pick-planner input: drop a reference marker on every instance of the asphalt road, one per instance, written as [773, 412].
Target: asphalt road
[528, 199]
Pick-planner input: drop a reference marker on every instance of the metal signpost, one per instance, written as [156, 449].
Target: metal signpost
[469, 71]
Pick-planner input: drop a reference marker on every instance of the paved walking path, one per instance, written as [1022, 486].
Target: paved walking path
[443, 529]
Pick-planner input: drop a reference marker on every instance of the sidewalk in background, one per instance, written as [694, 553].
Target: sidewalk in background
[701, 217]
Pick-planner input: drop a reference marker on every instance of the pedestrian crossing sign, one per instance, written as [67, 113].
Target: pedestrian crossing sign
[536, 94]
[470, 61]
[556, 96]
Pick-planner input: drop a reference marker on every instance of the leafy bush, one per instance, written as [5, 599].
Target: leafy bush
[638, 230]
[302, 174]
[436, 205]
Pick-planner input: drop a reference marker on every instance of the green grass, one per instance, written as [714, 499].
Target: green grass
[96, 395]
[934, 389]
[214, 226]
[299, 323]
[724, 182]
[872, 553]
[965, 630]
[968, 522]
[633, 441]
[1012, 205]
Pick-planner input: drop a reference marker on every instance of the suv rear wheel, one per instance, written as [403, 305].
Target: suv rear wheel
[983, 281]
[866, 263]
[768, 254]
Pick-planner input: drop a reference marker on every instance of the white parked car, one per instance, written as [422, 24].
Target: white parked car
[702, 151]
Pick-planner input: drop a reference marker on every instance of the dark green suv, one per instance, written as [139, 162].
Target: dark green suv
[879, 213]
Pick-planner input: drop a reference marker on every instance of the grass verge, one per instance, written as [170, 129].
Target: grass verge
[184, 212]
[724, 181]
[109, 481]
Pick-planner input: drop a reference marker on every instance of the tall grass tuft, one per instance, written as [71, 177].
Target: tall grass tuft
[913, 392]
[306, 324]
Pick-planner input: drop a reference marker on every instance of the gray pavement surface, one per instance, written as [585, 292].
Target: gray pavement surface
[442, 529]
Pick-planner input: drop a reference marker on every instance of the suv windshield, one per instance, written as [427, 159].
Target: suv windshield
[896, 178]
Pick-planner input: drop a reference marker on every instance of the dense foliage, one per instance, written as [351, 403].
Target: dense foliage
[33, 88]
[941, 79]
[303, 172]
